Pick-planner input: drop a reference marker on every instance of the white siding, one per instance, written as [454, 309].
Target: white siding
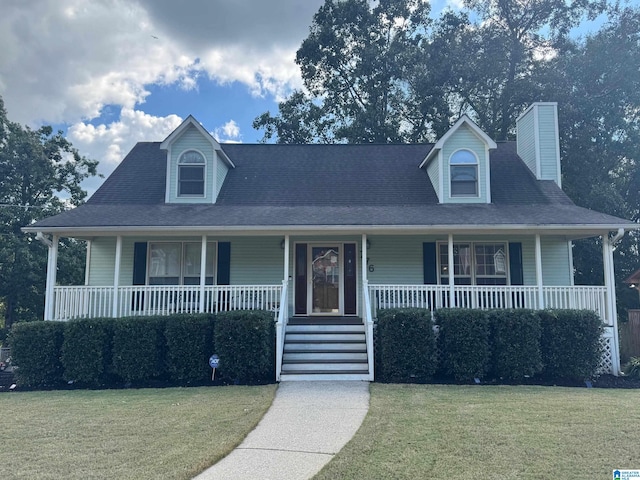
[526, 140]
[222, 170]
[433, 170]
[556, 267]
[538, 141]
[549, 160]
[465, 138]
[394, 259]
[256, 260]
[102, 262]
[397, 260]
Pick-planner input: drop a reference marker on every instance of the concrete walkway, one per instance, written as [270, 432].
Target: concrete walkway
[308, 423]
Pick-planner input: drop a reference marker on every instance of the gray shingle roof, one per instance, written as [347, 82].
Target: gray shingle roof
[355, 185]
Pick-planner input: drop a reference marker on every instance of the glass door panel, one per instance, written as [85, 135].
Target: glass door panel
[325, 272]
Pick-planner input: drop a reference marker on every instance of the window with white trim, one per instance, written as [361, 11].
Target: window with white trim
[178, 263]
[463, 168]
[191, 174]
[475, 263]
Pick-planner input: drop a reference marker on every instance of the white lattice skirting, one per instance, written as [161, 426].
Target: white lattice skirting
[608, 352]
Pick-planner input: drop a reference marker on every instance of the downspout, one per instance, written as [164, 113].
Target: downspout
[617, 238]
[40, 236]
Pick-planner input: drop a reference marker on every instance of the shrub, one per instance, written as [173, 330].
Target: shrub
[189, 345]
[86, 350]
[35, 350]
[570, 343]
[138, 348]
[632, 368]
[245, 343]
[464, 342]
[405, 345]
[515, 338]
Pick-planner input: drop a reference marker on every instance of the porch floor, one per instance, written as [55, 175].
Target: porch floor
[328, 320]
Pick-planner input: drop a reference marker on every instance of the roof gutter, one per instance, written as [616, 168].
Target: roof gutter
[388, 229]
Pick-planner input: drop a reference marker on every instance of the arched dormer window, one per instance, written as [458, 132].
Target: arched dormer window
[463, 168]
[191, 174]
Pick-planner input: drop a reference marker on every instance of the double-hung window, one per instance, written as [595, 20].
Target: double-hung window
[178, 263]
[475, 263]
[463, 168]
[191, 174]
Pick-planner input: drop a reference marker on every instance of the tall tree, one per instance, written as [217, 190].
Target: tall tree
[353, 75]
[597, 80]
[37, 169]
[492, 61]
[300, 119]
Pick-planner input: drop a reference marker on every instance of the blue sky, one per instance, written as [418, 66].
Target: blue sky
[113, 72]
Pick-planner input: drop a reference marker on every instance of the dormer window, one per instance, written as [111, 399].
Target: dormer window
[463, 167]
[191, 174]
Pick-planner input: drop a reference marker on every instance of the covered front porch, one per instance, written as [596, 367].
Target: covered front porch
[319, 275]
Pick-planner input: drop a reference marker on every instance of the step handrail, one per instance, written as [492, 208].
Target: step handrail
[368, 325]
[281, 325]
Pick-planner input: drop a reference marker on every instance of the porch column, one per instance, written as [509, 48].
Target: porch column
[116, 276]
[52, 267]
[365, 281]
[285, 278]
[286, 259]
[539, 272]
[451, 268]
[203, 271]
[87, 264]
[611, 311]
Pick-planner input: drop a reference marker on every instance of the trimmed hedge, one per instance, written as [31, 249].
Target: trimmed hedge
[464, 344]
[189, 345]
[86, 350]
[507, 344]
[139, 348]
[405, 345]
[245, 343]
[35, 349]
[570, 343]
[515, 339]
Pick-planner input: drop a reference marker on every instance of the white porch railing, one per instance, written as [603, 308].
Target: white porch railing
[83, 302]
[434, 297]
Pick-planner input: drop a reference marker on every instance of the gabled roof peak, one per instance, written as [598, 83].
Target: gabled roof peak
[191, 121]
[463, 120]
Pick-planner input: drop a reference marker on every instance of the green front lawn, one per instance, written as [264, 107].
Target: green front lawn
[486, 432]
[147, 433]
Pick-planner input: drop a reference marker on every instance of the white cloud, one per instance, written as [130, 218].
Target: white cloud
[110, 143]
[455, 4]
[229, 132]
[62, 60]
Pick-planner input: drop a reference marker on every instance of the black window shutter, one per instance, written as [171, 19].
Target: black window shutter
[430, 263]
[515, 263]
[139, 263]
[224, 263]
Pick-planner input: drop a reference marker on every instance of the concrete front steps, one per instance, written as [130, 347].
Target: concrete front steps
[325, 348]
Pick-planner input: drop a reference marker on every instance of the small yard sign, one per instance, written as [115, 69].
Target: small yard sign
[214, 362]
